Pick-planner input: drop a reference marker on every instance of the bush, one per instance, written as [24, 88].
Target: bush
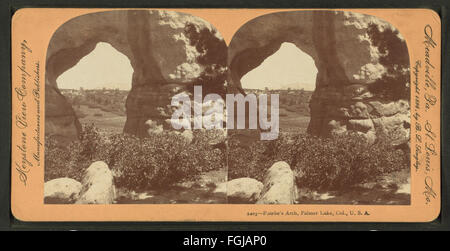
[137, 163]
[336, 163]
[58, 161]
[247, 161]
[70, 160]
[343, 161]
[394, 56]
[161, 159]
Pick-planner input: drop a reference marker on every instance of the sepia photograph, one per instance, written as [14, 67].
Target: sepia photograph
[341, 83]
[110, 137]
[301, 107]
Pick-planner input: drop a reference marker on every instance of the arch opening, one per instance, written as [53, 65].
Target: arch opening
[291, 73]
[97, 88]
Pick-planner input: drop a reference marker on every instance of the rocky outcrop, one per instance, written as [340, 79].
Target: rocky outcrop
[360, 113]
[62, 122]
[241, 190]
[339, 42]
[279, 185]
[347, 60]
[156, 45]
[98, 185]
[61, 191]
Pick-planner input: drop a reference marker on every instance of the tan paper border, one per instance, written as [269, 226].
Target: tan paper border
[36, 26]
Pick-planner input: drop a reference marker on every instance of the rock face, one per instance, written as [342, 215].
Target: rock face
[347, 59]
[98, 186]
[63, 122]
[61, 191]
[279, 185]
[241, 190]
[348, 63]
[148, 38]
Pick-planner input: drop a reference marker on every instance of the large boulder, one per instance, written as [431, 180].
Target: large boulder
[279, 185]
[98, 185]
[241, 190]
[61, 191]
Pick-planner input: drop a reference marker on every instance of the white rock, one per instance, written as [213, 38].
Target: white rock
[279, 185]
[405, 188]
[63, 190]
[241, 190]
[98, 186]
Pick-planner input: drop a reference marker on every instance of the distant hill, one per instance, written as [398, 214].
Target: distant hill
[110, 100]
[293, 86]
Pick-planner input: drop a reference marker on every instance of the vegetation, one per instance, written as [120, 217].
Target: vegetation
[137, 163]
[394, 56]
[107, 100]
[213, 58]
[293, 100]
[334, 163]
[71, 160]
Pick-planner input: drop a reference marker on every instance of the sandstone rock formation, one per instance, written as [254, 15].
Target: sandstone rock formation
[348, 60]
[241, 190]
[61, 191]
[62, 121]
[279, 185]
[98, 185]
[155, 42]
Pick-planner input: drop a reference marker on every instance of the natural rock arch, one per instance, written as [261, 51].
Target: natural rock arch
[152, 41]
[288, 68]
[338, 42]
[340, 45]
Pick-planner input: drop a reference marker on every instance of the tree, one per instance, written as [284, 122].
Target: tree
[395, 58]
[213, 57]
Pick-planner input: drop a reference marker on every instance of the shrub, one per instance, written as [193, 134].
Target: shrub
[247, 161]
[334, 163]
[137, 163]
[70, 160]
[394, 84]
[58, 161]
[343, 161]
[161, 159]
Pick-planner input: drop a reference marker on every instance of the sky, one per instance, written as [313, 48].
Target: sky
[288, 67]
[103, 67]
